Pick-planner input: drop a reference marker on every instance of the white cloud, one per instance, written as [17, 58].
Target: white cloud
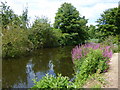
[91, 9]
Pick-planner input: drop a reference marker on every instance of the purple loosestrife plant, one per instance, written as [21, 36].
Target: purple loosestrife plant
[81, 51]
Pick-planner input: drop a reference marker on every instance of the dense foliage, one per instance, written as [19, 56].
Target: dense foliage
[81, 51]
[50, 81]
[43, 34]
[17, 33]
[69, 29]
[15, 42]
[117, 18]
[109, 24]
[93, 62]
[92, 32]
[12, 20]
[71, 24]
[90, 59]
[107, 30]
[14, 32]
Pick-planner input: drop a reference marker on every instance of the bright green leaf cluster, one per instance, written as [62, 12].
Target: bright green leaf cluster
[50, 81]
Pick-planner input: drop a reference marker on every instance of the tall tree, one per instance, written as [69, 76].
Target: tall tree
[108, 24]
[69, 21]
[117, 18]
[12, 20]
[7, 14]
[108, 17]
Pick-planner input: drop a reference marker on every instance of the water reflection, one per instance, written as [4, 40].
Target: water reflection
[18, 73]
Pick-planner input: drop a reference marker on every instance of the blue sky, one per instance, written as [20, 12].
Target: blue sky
[91, 9]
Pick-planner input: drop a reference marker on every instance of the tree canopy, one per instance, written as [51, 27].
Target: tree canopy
[12, 20]
[109, 23]
[108, 17]
[68, 20]
[117, 19]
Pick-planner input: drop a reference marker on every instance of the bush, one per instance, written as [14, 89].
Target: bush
[92, 63]
[15, 42]
[43, 35]
[82, 50]
[49, 81]
[89, 59]
[69, 39]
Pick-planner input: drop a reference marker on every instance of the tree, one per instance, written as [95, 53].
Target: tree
[7, 14]
[117, 19]
[92, 32]
[42, 34]
[108, 24]
[108, 17]
[11, 20]
[69, 21]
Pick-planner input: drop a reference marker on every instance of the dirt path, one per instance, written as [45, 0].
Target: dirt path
[112, 74]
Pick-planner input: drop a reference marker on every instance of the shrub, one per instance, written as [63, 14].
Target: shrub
[92, 63]
[89, 59]
[43, 35]
[15, 42]
[49, 81]
[82, 50]
[69, 39]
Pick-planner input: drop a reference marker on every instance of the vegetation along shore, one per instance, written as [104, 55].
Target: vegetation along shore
[95, 46]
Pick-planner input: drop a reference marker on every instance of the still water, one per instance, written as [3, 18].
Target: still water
[18, 73]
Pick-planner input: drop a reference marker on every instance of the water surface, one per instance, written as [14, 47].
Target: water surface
[18, 73]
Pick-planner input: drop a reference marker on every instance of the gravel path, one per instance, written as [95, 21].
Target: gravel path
[112, 74]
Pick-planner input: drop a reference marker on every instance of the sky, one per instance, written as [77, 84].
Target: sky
[91, 9]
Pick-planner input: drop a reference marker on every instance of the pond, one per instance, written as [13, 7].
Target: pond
[18, 73]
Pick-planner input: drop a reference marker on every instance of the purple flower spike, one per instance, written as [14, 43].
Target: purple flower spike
[81, 50]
